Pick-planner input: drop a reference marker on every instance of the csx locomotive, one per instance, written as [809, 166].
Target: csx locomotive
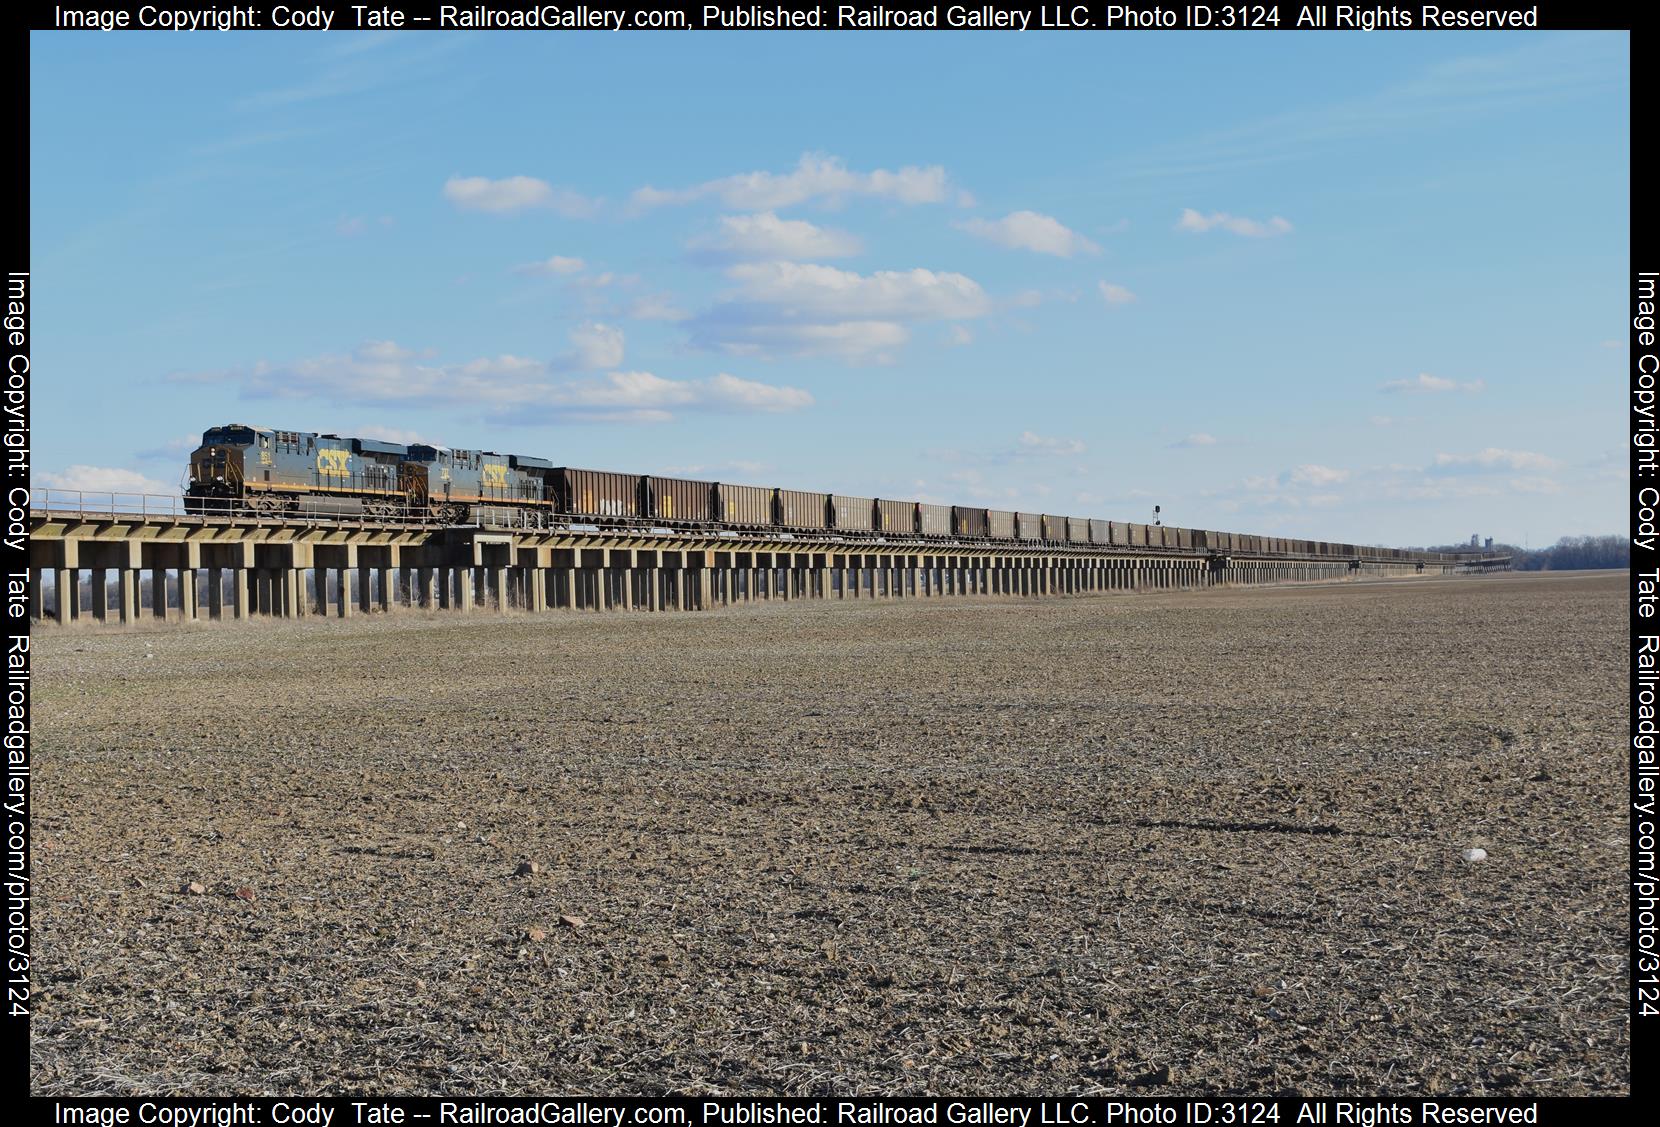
[242, 468]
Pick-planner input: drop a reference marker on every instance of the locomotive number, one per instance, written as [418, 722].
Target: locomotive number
[494, 477]
[332, 463]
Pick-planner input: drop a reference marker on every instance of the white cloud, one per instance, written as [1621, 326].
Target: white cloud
[1030, 230]
[814, 291]
[593, 346]
[794, 308]
[102, 479]
[1199, 223]
[1114, 294]
[1493, 458]
[959, 336]
[514, 194]
[1040, 444]
[557, 265]
[1425, 384]
[765, 236]
[506, 389]
[1317, 475]
[869, 341]
[815, 177]
[353, 225]
[656, 307]
[385, 433]
[1195, 440]
[652, 396]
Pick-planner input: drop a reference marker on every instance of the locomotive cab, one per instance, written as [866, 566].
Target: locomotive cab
[217, 466]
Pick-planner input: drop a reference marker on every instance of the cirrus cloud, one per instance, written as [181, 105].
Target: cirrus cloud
[1199, 223]
[1425, 384]
[557, 265]
[1494, 458]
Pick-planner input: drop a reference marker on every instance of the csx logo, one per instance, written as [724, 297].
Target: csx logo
[494, 477]
[332, 463]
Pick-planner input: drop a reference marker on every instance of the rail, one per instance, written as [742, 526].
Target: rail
[82, 504]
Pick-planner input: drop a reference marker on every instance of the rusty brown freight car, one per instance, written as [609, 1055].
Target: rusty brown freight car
[1054, 527]
[999, 524]
[1100, 531]
[852, 514]
[1028, 526]
[1077, 530]
[898, 517]
[797, 509]
[970, 522]
[595, 493]
[934, 520]
[673, 498]
[748, 506]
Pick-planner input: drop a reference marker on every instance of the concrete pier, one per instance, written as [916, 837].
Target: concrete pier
[107, 568]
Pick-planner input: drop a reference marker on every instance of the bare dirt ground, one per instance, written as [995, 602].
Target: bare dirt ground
[1160, 844]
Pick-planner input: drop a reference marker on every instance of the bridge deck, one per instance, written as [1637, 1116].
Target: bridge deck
[168, 562]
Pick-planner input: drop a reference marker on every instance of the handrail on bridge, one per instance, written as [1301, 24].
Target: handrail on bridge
[89, 504]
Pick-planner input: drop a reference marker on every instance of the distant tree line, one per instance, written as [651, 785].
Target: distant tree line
[1571, 553]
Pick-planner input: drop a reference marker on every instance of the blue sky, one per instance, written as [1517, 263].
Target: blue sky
[1364, 287]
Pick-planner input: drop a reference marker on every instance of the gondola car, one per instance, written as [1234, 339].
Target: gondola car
[241, 468]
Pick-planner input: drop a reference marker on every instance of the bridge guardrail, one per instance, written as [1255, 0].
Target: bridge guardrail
[83, 502]
[91, 505]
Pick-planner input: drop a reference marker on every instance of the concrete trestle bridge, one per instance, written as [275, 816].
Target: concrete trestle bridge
[125, 557]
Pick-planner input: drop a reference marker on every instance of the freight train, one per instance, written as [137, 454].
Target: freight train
[275, 472]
